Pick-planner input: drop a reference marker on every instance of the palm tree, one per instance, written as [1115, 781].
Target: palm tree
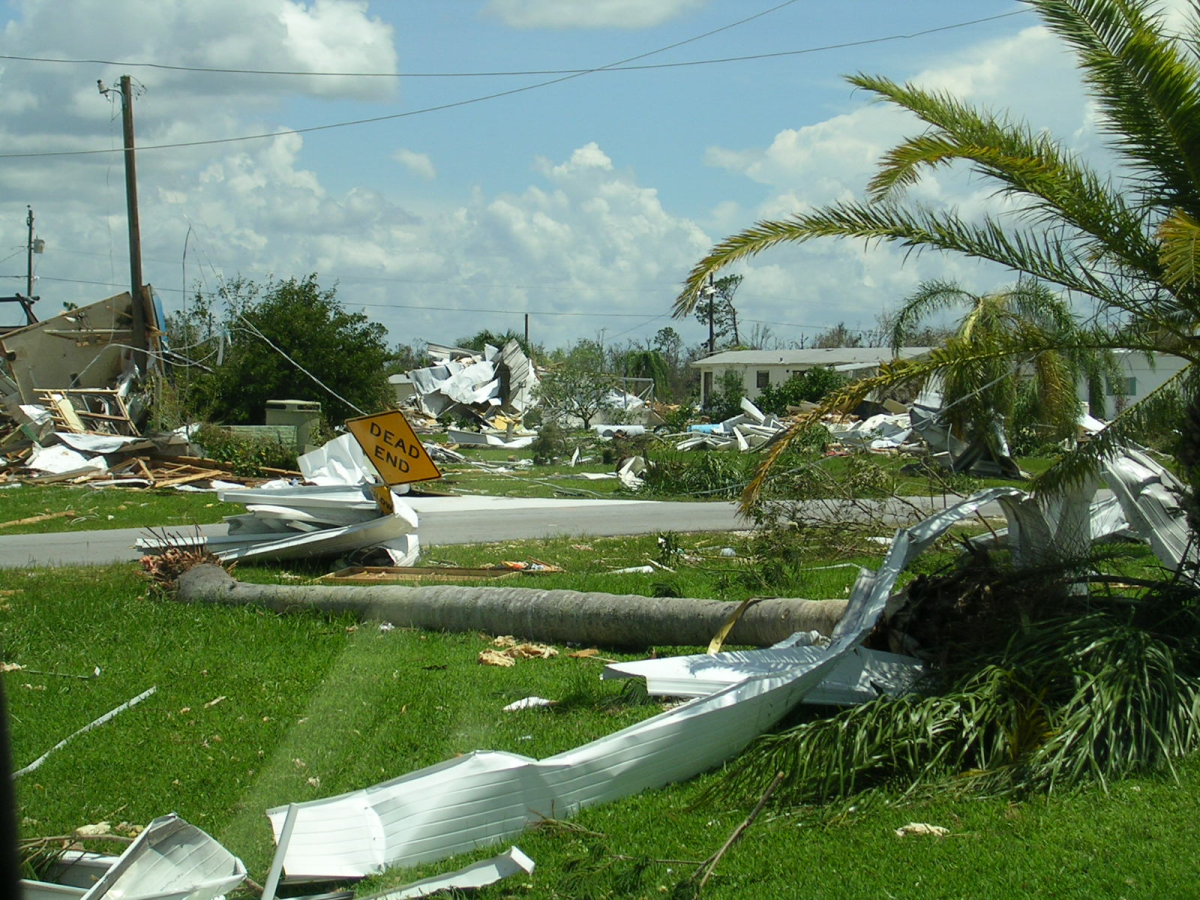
[1088, 685]
[1130, 244]
[1041, 394]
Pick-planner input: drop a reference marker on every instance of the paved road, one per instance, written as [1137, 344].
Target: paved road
[443, 520]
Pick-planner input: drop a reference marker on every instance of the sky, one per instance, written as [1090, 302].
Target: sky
[566, 159]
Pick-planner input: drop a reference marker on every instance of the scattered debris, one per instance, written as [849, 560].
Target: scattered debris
[342, 511]
[528, 703]
[485, 796]
[515, 649]
[748, 431]
[921, 828]
[487, 387]
[496, 658]
[169, 858]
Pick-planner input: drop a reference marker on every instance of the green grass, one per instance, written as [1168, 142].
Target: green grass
[251, 706]
[1136, 842]
[99, 509]
[255, 710]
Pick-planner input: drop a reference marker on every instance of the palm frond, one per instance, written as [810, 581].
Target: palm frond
[1093, 696]
[1147, 86]
[956, 356]
[1053, 185]
[1180, 249]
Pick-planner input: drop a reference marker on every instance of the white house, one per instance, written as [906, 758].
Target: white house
[759, 368]
[1139, 378]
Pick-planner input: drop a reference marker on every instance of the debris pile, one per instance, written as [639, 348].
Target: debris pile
[340, 511]
[748, 431]
[476, 386]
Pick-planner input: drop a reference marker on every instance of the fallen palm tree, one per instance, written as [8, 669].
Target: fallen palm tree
[544, 615]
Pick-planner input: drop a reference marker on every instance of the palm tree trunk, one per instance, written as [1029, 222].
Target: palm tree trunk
[587, 618]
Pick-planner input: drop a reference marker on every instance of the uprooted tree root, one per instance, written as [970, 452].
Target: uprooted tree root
[163, 569]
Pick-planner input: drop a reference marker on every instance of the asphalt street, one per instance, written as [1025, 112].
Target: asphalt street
[443, 520]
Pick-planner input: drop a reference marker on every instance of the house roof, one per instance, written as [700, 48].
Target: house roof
[832, 356]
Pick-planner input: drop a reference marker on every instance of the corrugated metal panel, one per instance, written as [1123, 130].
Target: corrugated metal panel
[485, 797]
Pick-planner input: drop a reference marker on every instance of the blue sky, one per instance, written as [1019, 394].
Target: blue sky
[583, 203]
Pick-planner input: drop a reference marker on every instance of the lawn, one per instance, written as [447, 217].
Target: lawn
[253, 710]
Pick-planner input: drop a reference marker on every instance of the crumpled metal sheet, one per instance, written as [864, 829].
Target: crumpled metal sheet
[486, 796]
[859, 676]
[339, 461]
[1151, 498]
[469, 878]
[170, 860]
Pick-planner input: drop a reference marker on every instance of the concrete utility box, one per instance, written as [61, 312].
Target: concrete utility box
[303, 414]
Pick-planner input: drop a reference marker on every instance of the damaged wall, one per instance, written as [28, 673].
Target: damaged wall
[87, 347]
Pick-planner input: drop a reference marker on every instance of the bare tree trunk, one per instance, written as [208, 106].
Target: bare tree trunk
[586, 618]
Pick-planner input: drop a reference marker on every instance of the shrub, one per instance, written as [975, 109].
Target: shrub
[811, 385]
[247, 455]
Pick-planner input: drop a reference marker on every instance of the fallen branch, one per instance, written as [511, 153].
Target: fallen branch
[704, 872]
[33, 520]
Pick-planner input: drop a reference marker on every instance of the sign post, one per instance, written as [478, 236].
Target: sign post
[393, 448]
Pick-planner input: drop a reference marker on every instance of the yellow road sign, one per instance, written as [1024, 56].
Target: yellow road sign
[390, 444]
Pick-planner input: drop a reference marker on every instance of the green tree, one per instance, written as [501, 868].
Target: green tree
[576, 384]
[640, 362]
[1071, 686]
[283, 340]
[840, 335]
[725, 402]
[496, 339]
[1130, 243]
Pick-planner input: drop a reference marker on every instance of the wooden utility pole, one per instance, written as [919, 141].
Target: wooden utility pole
[711, 291]
[29, 255]
[135, 229]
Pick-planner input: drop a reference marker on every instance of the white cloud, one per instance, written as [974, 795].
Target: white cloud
[418, 163]
[565, 14]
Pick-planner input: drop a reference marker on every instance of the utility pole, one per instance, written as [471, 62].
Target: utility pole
[29, 255]
[526, 329]
[711, 290]
[137, 289]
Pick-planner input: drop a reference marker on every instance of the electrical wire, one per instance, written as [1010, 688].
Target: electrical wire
[254, 331]
[571, 74]
[522, 72]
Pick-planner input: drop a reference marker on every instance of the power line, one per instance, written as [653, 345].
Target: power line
[414, 112]
[570, 74]
[432, 308]
[616, 67]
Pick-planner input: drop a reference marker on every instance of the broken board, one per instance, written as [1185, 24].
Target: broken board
[393, 574]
